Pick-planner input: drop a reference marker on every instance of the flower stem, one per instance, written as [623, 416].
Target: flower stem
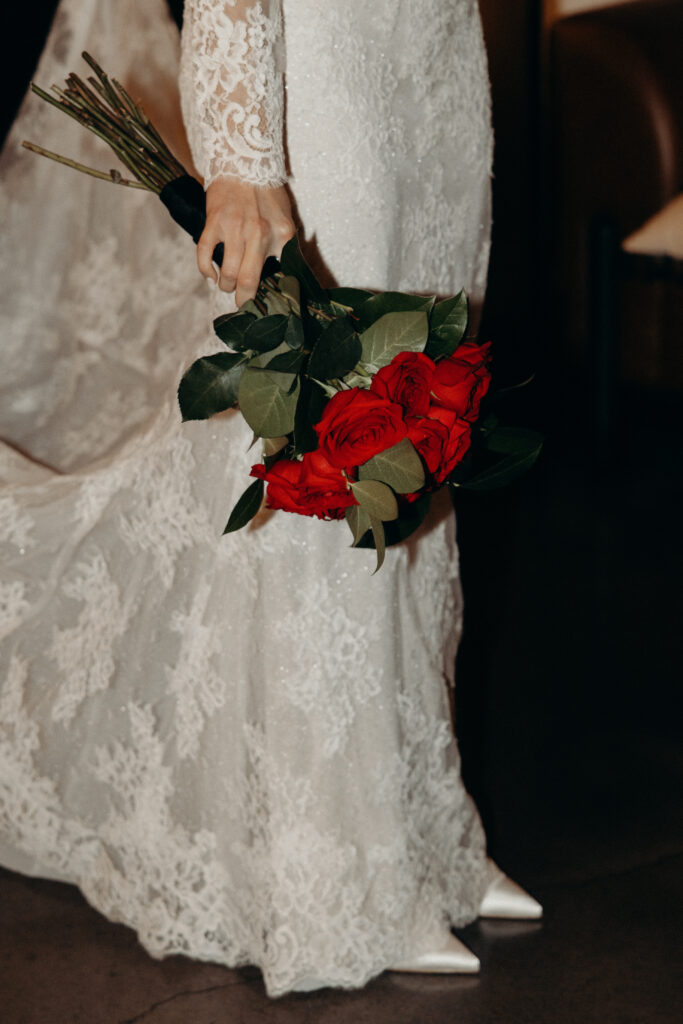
[111, 176]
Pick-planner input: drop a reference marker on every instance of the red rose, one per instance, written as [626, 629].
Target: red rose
[459, 437]
[430, 438]
[356, 425]
[324, 488]
[283, 483]
[461, 381]
[406, 380]
[310, 487]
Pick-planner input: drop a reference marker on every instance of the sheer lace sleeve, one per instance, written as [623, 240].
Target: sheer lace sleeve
[231, 88]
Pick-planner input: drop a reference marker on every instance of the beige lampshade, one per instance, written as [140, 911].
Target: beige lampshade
[661, 235]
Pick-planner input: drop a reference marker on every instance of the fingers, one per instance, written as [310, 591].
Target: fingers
[255, 252]
[205, 246]
[252, 223]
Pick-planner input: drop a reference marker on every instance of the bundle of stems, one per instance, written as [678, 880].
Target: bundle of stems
[106, 109]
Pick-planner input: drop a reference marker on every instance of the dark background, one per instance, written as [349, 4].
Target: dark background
[571, 660]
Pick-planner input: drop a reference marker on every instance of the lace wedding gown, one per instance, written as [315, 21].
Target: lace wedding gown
[238, 746]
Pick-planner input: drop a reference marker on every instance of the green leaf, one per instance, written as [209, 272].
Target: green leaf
[394, 333]
[287, 361]
[352, 298]
[274, 445]
[294, 335]
[210, 385]
[519, 450]
[265, 334]
[358, 520]
[447, 326]
[378, 500]
[336, 352]
[411, 517]
[309, 411]
[294, 265]
[232, 328]
[283, 296]
[246, 508]
[391, 302]
[249, 307]
[266, 404]
[399, 466]
[291, 290]
[377, 527]
[513, 440]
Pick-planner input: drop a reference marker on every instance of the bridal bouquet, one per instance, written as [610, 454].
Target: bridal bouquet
[364, 403]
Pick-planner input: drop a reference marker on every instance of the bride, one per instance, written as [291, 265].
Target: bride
[239, 746]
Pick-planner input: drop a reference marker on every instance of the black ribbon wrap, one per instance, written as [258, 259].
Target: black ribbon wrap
[185, 200]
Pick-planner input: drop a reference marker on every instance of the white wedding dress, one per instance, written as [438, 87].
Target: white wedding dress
[239, 746]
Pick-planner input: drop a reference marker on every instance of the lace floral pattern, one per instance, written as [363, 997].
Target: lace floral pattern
[239, 746]
[231, 86]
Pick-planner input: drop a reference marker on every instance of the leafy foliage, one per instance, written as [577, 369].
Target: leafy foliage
[210, 385]
[246, 508]
[447, 326]
[336, 351]
[400, 467]
[393, 333]
[268, 400]
[294, 347]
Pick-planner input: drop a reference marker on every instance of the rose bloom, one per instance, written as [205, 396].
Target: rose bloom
[356, 425]
[406, 380]
[461, 381]
[459, 438]
[430, 438]
[310, 487]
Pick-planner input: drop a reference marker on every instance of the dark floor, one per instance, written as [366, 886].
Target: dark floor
[566, 715]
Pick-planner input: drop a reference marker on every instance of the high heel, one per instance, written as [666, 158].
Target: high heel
[504, 898]
[449, 957]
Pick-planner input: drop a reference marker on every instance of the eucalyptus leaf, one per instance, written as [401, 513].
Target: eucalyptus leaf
[276, 304]
[358, 520]
[285, 381]
[351, 298]
[290, 288]
[411, 517]
[294, 265]
[309, 411]
[283, 296]
[288, 361]
[399, 466]
[266, 334]
[336, 352]
[249, 307]
[394, 333]
[375, 498]
[294, 335]
[246, 507]
[273, 445]
[210, 385]
[377, 527]
[379, 305]
[232, 328]
[519, 449]
[447, 326]
[268, 407]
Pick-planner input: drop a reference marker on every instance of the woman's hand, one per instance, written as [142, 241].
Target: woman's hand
[252, 223]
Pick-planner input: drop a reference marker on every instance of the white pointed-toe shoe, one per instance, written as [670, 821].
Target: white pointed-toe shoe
[447, 957]
[504, 898]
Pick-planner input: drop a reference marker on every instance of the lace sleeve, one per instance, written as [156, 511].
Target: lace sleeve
[231, 88]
